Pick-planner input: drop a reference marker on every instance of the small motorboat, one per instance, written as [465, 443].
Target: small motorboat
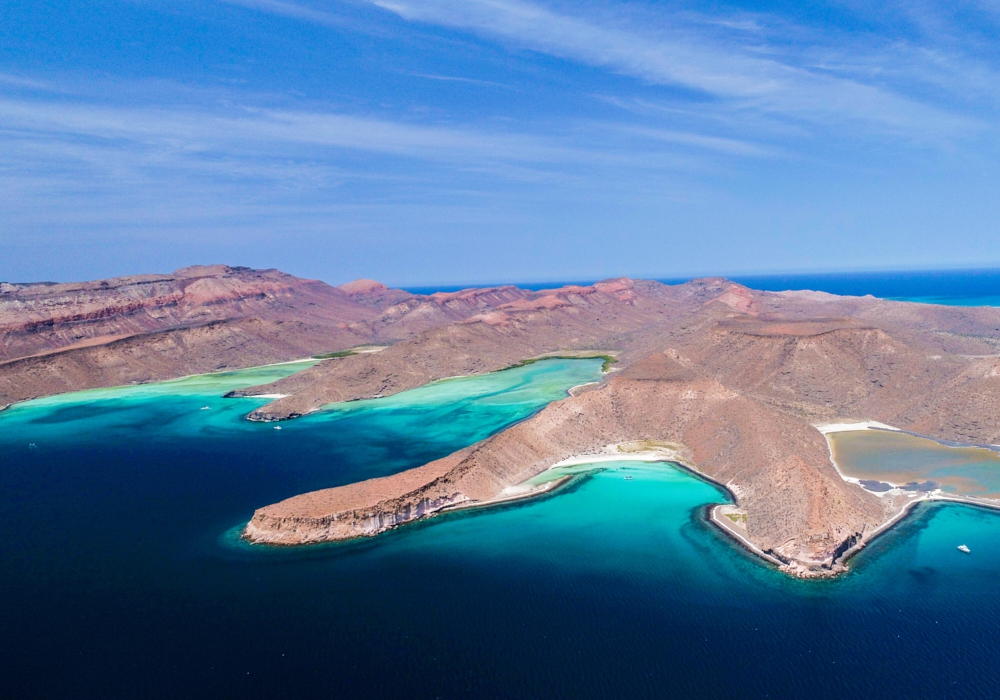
[206, 408]
[628, 478]
[963, 548]
[277, 427]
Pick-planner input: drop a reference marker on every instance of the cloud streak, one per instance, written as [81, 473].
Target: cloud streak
[188, 134]
[288, 9]
[743, 79]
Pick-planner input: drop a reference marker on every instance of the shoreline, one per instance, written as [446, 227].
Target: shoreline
[827, 428]
[157, 381]
[524, 491]
[571, 391]
[542, 489]
[534, 360]
[913, 498]
[910, 506]
[717, 518]
[650, 456]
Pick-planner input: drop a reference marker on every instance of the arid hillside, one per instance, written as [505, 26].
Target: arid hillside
[800, 508]
[65, 337]
[730, 381]
[617, 316]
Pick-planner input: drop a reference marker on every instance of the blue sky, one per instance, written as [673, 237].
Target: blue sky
[462, 141]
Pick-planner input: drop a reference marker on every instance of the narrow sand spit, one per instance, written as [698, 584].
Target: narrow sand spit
[827, 428]
[719, 519]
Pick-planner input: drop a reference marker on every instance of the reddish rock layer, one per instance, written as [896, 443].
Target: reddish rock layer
[731, 376]
[64, 337]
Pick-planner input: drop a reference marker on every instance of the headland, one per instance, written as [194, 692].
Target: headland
[733, 380]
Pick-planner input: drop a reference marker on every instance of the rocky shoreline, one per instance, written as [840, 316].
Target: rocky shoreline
[732, 378]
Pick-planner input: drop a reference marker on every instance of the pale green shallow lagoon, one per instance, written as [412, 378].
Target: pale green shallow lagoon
[901, 458]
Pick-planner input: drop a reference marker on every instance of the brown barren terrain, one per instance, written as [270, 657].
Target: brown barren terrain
[56, 338]
[733, 380]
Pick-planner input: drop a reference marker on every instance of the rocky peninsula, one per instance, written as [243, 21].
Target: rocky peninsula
[733, 381]
[729, 381]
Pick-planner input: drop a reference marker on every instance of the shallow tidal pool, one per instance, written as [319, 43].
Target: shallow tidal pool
[900, 458]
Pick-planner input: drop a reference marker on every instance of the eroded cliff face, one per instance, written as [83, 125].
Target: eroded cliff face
[357, 510]
[731, 378]
[42, 318]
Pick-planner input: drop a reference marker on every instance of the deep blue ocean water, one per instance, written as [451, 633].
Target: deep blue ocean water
[121, 575]
[950, 287]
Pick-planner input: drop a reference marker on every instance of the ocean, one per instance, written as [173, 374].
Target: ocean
[949, 287]
[122, 574]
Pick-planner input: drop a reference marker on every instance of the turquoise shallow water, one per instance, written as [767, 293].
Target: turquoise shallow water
[118, 579]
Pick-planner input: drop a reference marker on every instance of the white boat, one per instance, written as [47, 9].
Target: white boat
[628, 478]
[963, 548]
[277, 427]
[206, 408]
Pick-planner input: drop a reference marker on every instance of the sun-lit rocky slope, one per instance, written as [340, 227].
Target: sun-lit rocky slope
[615, 316]
[732, 380]
[65, 337]
[729, 380]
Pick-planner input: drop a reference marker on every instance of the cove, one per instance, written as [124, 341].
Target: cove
[117, 580]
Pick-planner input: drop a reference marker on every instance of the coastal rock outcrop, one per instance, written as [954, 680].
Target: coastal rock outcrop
[732, 379]
[735, 389]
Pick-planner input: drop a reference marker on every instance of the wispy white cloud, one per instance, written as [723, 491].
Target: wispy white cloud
[711, 143]
[267, 129]
[288, 9]
[458, 79]
[19, 81]
[742, 77]
[75, 163]
[64, 127]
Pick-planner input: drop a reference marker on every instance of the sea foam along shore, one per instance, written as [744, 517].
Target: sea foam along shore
[898, 491]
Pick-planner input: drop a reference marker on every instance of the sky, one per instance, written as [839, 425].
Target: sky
[472, 141]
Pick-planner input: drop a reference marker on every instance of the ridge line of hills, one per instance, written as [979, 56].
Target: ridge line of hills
[732, 378]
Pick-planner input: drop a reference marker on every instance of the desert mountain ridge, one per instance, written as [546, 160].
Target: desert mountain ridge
[727, 380]
[59, 337]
